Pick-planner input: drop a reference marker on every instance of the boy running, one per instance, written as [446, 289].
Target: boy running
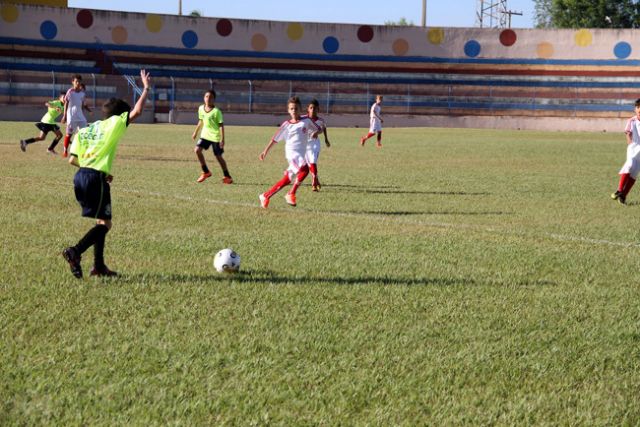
[48, 124]
[295, 132]
[211, 122]
[375, 123]
[313, 145]
[93, 150]
[631, 167]
[73, 115]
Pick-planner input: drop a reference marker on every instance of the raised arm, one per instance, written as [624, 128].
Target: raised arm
[139, 107]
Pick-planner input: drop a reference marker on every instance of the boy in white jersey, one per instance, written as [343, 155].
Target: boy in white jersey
[73, 114]
[212, 125]
[631, 167]
[48, 124]
[93, 151]
[313, 145]
[375, 123]
[295, 132]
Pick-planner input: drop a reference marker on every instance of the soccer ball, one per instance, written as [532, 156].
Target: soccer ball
[227, 261]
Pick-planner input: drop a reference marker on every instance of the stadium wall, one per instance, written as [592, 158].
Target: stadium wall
[569, 75]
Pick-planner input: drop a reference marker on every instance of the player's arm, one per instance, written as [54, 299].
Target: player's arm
[86, 107]
[326, 137]
[139, 107]
[195, 132]
[63, 120]
[73, 160]
[629, 136]
[221, 135]
[267, 148]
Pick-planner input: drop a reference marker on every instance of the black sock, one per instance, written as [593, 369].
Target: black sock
[90, 238]
[226, 173]
[205, 169]
[30, 140]
[54, 143]
[98, 247]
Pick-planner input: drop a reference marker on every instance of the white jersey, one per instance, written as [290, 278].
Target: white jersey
[632, 165]
[375, 125]
[295, 135]
[75, 100]
[313, 145]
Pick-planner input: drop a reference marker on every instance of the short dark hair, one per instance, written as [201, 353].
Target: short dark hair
[76, 77]
[211, 92]
[638, 102]
[115, 107]
[314, 102]
[294, 100]
[62, 93]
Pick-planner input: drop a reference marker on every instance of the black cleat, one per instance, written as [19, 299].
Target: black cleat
[102, 272]
[23, 145]
[73, 258]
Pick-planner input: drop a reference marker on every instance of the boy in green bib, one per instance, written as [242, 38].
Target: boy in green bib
[92, 151]
[212, 125]
[48, 124]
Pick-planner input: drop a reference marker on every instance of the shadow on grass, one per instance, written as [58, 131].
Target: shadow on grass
[153, 158]
[264, 276]
[408, 213]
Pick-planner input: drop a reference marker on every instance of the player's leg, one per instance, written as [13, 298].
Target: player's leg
[206, 173]
[300, 176]
[284, 181]
[99, 267]
[218, 152]
[67, 140]
[52, 146]
[313, 154]
[379, 140]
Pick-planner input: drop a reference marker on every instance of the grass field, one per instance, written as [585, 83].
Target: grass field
[456, 276]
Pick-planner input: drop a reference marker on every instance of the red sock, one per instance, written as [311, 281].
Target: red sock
[67, 139]
[278, 186]
[627, 187]
[369, 135]
[623, 181]
[313, 168]
[302, 174]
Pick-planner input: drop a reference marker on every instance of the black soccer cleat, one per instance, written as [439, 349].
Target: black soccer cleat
[23, 145]
[73, 258]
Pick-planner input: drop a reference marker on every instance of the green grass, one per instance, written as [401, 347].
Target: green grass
[456, 276]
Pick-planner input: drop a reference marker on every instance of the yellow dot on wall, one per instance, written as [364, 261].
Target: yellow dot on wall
[259, 42]
[154, 23]
[9, 13]
[545, 50]
[119, 35]
[435, 35]
[295, 31]
[400, 47]
[583, 38]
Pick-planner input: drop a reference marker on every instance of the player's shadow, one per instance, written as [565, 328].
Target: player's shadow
[270, 277]
[409, 213]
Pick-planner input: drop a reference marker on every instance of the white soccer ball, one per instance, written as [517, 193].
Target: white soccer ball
[227, 261]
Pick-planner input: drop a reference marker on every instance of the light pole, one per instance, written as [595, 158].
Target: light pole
[179, 7]
[424, 13]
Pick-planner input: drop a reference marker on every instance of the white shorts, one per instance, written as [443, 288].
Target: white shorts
[632, 165]
[375, 126]
[313, 151]
[296, 161]
[75, 125]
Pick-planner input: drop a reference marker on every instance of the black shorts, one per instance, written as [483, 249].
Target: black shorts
[46, 127]
[205, 144]
[93, 193]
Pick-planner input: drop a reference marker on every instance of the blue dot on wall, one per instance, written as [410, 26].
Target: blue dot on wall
[331, 45]
[622, 50]
[472, 48]
[48, 30]
[189, 39]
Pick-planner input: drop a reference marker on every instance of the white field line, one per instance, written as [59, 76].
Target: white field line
[381, 217]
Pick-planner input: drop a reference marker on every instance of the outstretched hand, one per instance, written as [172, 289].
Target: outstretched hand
[146, 78]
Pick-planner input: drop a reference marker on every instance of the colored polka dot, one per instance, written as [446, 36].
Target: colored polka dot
[224, 27]
[9, 13]
[622, 50]
[365, 34]
[400, 47]
[259, 42]
[583, 38]
[189, 39]
[545, 50]
[119, 35]
[331, 44]
[295, 31]
[435, 35]
[84, 18]
[508, 37]
[472, 48]
[154, 23]
[48, 30]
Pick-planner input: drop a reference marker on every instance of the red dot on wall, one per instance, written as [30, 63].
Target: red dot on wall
[508, 37]
[365, 33]
[84, 18]
[224, 27]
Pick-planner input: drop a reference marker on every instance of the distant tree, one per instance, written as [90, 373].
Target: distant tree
[587, 13]
[195, 13]
[402, 22]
